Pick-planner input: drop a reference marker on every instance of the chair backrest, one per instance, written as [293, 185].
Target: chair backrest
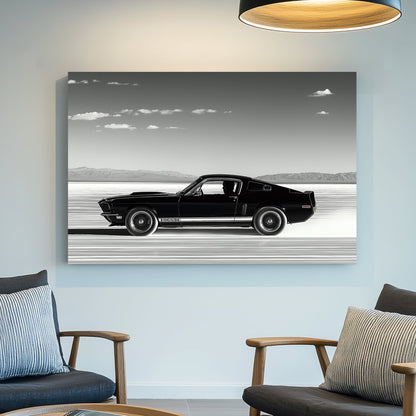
[393, 299]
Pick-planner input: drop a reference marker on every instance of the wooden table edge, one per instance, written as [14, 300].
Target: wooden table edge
[61, 409]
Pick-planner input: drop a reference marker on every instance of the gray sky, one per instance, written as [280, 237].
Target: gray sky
[197, 123]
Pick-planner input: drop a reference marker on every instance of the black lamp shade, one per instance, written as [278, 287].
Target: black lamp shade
[319, 15]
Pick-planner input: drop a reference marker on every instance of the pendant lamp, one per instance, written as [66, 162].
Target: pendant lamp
[319, 15]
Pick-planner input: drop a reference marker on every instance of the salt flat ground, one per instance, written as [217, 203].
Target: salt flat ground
[328, 237]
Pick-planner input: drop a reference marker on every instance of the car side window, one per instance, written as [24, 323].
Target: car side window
[212, 188]
[216, 187]
[257, 186]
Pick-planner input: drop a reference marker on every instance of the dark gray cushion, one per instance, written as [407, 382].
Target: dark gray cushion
[312, 401]
[73, 387]
[393, 299]
[27, 281]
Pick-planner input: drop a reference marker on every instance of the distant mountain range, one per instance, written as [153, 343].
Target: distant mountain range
[84, 174]
[120, 175]
[311, 177]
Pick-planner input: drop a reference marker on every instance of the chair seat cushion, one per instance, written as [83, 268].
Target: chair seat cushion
[312, 401]
[73, 387]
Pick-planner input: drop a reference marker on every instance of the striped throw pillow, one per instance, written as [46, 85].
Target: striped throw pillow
[370, 342]
[28, 341]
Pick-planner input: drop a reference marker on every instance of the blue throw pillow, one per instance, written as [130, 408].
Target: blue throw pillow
[28, 341]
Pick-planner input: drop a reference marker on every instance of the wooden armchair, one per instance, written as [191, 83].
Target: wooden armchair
[312, 401]
[73, 386]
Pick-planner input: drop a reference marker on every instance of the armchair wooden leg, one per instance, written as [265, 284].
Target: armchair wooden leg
[258, 373]
[254, 412]
[74, 352]
[258, 368]
[120, 373]
[322, 357]
[409, 399]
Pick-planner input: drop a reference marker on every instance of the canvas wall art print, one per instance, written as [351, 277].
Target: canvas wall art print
[211, 167]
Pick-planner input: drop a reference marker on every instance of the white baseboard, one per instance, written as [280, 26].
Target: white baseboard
[177, 391]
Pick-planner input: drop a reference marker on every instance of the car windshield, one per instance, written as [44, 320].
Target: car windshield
[191, 185]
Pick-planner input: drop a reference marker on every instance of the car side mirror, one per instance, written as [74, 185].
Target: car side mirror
[198, 192]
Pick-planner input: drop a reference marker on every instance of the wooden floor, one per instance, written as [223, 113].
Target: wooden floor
[196, 407]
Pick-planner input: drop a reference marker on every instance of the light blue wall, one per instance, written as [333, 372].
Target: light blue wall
[189, 323]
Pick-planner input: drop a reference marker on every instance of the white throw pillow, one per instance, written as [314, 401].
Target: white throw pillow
[370, 342]
[28, 340]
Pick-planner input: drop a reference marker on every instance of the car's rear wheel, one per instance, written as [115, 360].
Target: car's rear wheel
[269, 221]
[141, 221]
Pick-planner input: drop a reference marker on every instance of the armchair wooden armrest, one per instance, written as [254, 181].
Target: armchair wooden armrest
[261, 343]
[271, 341]
[409, 394]
[112, 336]
[118, 339]
[404, 368]
[260, 355]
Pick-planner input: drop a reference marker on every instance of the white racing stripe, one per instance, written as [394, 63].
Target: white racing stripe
[175, 220]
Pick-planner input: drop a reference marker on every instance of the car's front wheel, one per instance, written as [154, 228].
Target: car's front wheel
[141, 221]
[269, 221]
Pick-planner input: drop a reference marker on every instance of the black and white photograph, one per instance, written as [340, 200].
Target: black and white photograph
[211, 167]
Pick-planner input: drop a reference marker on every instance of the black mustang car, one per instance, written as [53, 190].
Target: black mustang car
[212, 201]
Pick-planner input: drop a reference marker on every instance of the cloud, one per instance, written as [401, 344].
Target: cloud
[145, 111]
[164, 112]
[73, 82]
[114, 126]
[152, 127]
[170, 112]
[323, 113]
[135, 84]
[117, 83]
[323, 93]
[227, 112]
[174, 128]
[125, 111]
[203, 111]
[95, 81]
[93, 115]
